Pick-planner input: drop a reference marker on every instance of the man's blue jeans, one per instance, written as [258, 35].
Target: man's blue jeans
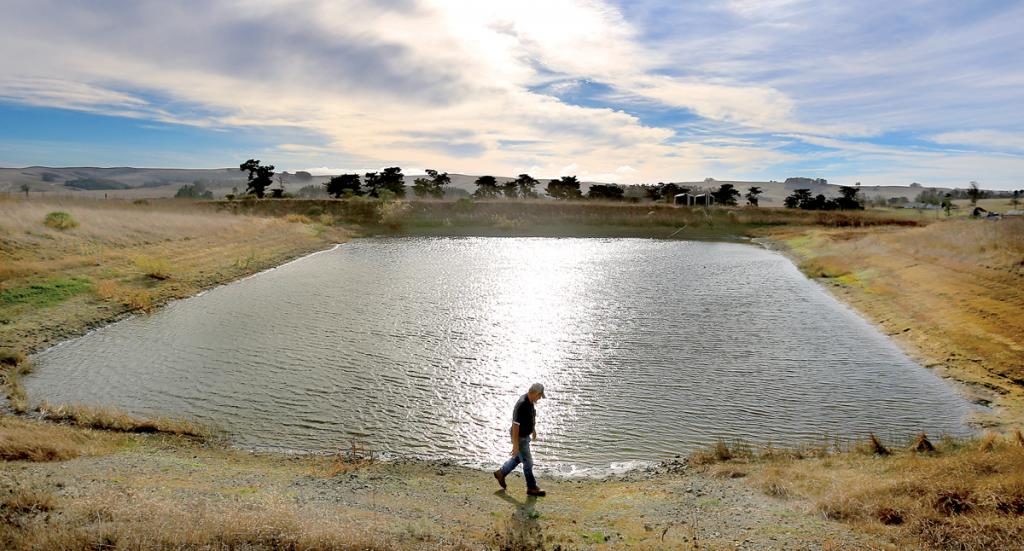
[526, 459]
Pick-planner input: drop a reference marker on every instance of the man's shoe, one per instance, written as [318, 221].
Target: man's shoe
[536, 492]
[501, 478]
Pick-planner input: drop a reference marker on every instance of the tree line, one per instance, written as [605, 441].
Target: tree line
[849, 199]
[390, 183]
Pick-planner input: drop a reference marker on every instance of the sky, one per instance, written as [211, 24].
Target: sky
[878, 92]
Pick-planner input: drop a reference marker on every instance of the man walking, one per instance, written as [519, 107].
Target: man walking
[524, 417]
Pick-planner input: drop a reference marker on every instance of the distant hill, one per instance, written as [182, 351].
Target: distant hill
[124, 182]
[134, 183]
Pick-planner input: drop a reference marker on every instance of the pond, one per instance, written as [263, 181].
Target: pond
[421, 347]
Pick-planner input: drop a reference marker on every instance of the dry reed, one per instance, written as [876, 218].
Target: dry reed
[26, 440]
[146, 522]
[112, 419]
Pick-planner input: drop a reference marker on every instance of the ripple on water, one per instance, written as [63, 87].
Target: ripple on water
[421, 346]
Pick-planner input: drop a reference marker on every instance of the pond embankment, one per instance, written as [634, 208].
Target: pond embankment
[951, 293]
[139, 491]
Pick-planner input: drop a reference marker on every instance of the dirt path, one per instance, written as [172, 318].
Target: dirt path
[155, 485]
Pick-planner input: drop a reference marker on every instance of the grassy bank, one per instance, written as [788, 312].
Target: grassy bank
[110, 258]
[952, 293]
[949, 494]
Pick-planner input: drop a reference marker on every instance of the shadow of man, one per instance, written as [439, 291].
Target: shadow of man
[522, 530]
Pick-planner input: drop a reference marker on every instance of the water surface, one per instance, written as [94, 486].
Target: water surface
[421, 347]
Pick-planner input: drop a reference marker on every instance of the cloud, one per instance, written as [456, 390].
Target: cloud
[509, 87]
[991, 139]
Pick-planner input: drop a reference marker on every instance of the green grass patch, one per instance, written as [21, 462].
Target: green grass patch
[47, 293]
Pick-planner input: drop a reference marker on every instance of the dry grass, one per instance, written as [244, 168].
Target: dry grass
[721, 451]
[11, 376]
[112, 419]
[959, 496]
[13, 366]
[146, 522]
[25, 440]
[132, 297]
[356, 457]
[297, 218]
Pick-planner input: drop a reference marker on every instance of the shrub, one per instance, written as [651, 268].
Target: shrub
[922, 444]
[957, 501]
[60, 220]
[876, 447]
[10, 357]
[392, 213]
[156, 268]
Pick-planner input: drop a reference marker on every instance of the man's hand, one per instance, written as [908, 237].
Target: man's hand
[515, 451]
[534, 435]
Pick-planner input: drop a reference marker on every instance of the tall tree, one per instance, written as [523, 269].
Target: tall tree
[510, 189]
[605, 191]
[345, 183]
[849, 198]
[947, 204]
[752, 195]
[393, 180]
[260, 176]
[801, 198]
[566, 187]
[526, 184]
[26, 188]
[653, 192]
[726, 195]
[438, 182]
[373, 183]
[1015, 201]
[974, 193]
[421, 187]
[486, 187]
[670, 190]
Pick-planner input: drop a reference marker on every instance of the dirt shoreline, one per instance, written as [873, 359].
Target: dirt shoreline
[409, 504]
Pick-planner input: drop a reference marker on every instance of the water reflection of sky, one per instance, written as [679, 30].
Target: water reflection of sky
[422, 346]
